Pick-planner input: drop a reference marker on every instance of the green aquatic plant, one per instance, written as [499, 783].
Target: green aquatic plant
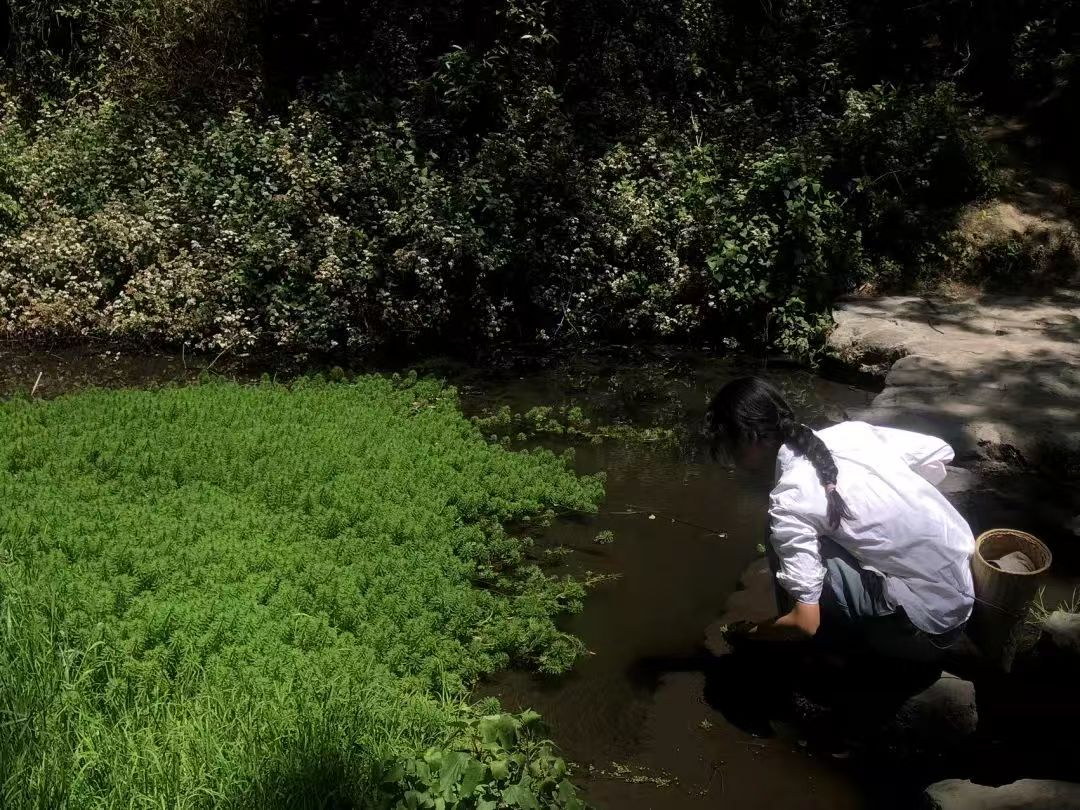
[498, 761]
[569, 422]
[254, 596]
[605, 537]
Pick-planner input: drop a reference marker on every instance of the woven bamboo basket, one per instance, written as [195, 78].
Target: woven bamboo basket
[1003, 598]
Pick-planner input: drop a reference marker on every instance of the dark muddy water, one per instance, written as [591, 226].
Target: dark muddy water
[645, 713]
[638, 713]
[685, 528]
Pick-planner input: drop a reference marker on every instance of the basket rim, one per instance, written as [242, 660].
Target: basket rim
[1016, 533]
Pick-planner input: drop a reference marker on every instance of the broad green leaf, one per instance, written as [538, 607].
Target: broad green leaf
[520, 796]
[473, 777]
[529, 718]
[499, 728]
[566, 791]
[453, 766]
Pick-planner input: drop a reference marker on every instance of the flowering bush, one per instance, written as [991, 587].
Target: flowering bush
[261, 232]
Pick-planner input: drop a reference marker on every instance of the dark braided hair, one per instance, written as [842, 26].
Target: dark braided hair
[750, 410]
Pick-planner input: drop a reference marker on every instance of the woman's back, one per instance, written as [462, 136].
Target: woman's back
[900, 526]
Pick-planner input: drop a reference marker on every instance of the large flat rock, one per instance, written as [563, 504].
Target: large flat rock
[996, 376]
[1027, 794]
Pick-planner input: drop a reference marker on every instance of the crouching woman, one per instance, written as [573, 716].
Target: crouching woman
[865, 550]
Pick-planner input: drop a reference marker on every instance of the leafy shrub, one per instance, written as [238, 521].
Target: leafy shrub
[358, 177]
[1034, 260]
[193, 52]
[783, 249]
[909, 160]
[221, 595]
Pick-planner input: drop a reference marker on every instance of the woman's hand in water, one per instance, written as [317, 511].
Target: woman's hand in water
[800, 624]
[738, 634]
[738, 630]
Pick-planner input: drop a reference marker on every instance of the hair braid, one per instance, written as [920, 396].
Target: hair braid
[807, 443]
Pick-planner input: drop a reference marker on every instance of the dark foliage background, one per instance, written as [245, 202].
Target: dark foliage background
[300, 176]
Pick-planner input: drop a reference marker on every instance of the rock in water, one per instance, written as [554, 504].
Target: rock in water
[1026, 794]
[1063, 628]
[935, 720]
[754, 601]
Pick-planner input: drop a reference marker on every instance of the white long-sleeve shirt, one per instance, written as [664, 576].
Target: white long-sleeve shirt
[902, 528]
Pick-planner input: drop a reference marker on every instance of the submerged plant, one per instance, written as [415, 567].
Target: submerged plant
[567, 422]
[253, 596]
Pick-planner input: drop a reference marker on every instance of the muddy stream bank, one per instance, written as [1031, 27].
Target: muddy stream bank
[646, 716]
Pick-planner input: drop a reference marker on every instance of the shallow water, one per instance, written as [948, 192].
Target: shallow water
[685, 528]
[644, 714]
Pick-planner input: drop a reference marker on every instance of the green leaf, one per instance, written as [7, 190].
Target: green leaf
[472, 778]
[499, 728]
[566, 791]
[453, 766]
[433, 756]
[529, 718]
[519, 796]
[500, 769]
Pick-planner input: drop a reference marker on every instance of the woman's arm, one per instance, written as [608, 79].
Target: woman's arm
[800, 570]
[803, 621]
[798, 567]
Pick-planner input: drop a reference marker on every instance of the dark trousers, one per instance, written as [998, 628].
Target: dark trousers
[855, 611]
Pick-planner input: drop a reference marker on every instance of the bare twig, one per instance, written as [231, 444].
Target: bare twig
[565, 316]
[37, 382]
[632, 509]
[217, 358]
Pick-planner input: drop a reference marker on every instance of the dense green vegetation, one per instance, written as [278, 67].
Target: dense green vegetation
[355, 176]
[259, 596]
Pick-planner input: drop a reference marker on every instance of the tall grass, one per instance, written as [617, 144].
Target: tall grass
[232, 596]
